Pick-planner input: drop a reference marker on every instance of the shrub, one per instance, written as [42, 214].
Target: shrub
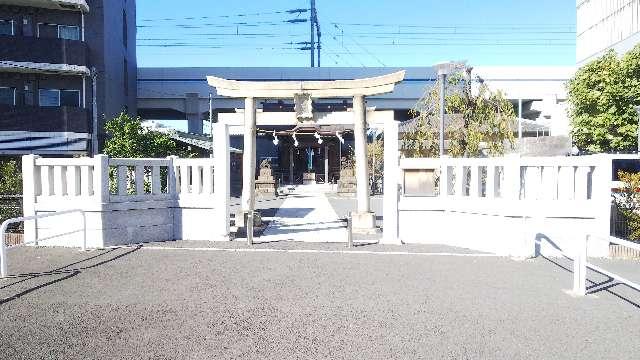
[10, 189]
[628, 202]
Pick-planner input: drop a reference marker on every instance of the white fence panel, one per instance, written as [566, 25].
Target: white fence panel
[534, 203]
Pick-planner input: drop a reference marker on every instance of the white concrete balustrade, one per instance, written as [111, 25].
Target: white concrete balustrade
[510, 205]
[129, 200]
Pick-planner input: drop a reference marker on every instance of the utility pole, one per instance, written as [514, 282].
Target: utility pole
[94, 112]
[211, 121]
[318, 33]
[312, 40]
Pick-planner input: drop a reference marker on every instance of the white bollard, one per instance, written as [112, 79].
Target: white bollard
[580, 269]
[3, 251]
[249, 227]
[84, 231]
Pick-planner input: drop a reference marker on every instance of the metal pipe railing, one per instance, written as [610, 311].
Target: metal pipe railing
[349, 232]
[580, 265]
[5, 224]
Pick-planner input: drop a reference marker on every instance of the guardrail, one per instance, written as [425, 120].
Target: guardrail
[349, 231]
[5, 224]
[580, 265]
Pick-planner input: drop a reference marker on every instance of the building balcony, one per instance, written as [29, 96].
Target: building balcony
[44, 119]
[72, 5]
[40, 50]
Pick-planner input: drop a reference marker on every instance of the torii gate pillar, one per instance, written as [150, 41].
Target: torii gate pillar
[363, 220]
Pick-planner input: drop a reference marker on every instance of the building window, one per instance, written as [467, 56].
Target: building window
[69, 32]
[6, 27]
[70, 98]
[28, 93]
[27, 26]
[55, 98]
[7, 95]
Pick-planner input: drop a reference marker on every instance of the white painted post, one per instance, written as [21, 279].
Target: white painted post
[86, 181]
[582, 173]
[490, 184]
[196, 179]
[139, 179]
[155, 181]
[566, 183]
[172, 186]
[249, 155]
[28, 197]
[101, 178]
[46, 179]
[207, 177]
[122, 179]
[185, 180]
[362, 168]
[548, 187]
[84, 230]
[391, 180]
[532, 182]
[580, 268]
[460, 180]
[59, 180]
[475, 182]
[221, 183]
[73, 181]
[3, 250]
[326, 164]
[445, 178]
[512, 180]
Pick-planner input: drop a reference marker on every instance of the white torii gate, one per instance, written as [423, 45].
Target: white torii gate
[304, 92]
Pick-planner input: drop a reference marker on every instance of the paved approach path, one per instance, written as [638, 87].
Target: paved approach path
[142, 303]
[306, 215]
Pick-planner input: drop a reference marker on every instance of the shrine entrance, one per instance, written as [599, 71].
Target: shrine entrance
[308, 158]
[309, 162]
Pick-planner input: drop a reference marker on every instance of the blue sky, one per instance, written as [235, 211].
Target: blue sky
[356, 33]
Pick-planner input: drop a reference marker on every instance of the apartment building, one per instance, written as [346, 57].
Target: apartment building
[53, 54]
[606, 24]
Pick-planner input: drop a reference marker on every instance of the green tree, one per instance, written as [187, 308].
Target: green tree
[10, 184]
[129, 139]
[10, 177]
[480, 122]
[602, 95]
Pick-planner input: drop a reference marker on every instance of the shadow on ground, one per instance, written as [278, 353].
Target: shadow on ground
[67, 272]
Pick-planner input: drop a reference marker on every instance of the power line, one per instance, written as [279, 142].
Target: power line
[461, 38]
[363, 48]
[458, 26]
[214, 36]
[289, 12]
[472, 43]
[231, 25]
[341, 44]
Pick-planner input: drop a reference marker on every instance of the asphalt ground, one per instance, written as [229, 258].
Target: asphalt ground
[164, 302]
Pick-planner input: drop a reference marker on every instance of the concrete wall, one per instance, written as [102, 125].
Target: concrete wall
[148, 199]
[511, 206]
[544, 146]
